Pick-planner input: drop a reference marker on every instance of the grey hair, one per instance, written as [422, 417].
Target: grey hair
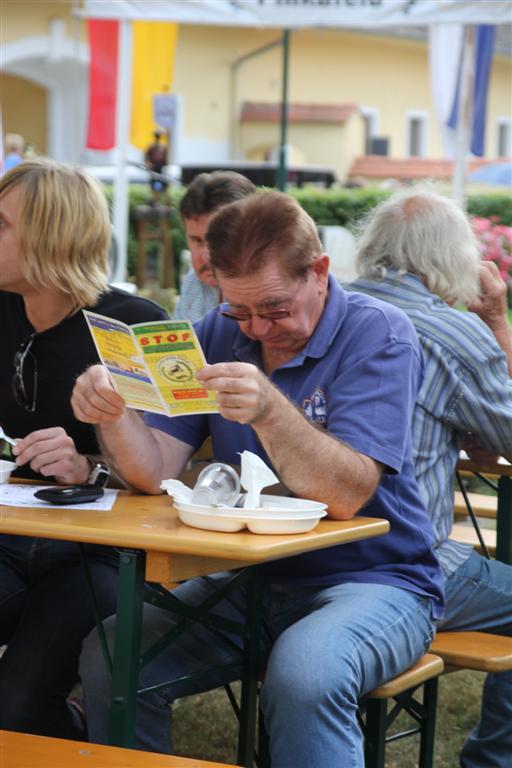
[426, 234]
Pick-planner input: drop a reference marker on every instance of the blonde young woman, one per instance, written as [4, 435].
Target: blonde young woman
[54, 240]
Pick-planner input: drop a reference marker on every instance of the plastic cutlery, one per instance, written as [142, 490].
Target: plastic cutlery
[3, 436]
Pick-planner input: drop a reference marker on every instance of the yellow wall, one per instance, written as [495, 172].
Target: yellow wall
[27, 18]
[331, 66]
[24, 110]
[500, 100]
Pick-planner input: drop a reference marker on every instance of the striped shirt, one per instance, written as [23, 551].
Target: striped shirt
[466, 388]
[196, 299]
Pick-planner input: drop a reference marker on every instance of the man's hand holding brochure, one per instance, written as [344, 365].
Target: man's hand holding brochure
[153, 365]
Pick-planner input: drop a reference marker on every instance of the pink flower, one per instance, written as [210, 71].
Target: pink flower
[494, 243]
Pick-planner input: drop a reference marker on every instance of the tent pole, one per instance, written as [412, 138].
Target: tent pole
[464, 122]
[123, 111]
[281, 172]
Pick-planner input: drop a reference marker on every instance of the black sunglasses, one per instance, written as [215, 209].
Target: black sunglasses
[24, 396]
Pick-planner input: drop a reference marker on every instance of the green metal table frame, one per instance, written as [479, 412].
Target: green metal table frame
[126, 661]
[504, 520]
[503, 490]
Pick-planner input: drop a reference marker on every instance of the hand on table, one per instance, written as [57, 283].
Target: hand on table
[244, 393]
[52, 452]
[94, 399]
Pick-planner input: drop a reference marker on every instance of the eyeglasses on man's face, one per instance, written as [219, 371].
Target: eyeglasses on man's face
[274, 314]
[24, 380]
[242, 315]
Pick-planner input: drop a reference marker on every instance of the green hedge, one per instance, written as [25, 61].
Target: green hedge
[342, 207]
[497, 204]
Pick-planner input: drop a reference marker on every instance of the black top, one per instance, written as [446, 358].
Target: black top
[62, 353]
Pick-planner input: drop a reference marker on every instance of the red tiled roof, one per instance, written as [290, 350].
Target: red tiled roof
[381, 167]
[299, 112]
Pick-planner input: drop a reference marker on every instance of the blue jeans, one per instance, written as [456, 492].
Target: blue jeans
[45, 614]
[479, 597]
[324, 648]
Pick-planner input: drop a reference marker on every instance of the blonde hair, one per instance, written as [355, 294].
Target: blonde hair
[63, 227]
[426, 234]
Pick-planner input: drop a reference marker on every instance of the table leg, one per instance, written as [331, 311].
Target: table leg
[251, 670]
[504, 521]
[126, 655]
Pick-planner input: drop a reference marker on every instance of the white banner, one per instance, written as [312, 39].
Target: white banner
[294, 14]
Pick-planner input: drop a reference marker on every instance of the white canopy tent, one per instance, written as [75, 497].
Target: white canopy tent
[286, 15]
[304, 13]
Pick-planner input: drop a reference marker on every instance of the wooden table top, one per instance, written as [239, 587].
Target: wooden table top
[500, 468]
[151, 523]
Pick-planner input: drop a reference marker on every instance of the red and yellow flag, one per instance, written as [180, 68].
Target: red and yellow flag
[154, 46]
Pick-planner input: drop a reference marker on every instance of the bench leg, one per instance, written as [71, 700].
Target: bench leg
[428, 727]
[375, 733]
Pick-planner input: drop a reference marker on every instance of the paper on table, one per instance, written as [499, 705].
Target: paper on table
[18, 495]
[254, 476]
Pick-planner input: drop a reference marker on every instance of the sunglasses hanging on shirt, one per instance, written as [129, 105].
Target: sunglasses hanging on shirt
[24, 380]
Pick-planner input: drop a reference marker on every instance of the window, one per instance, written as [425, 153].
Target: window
[371, 127]
[416, 134]
[503, 137]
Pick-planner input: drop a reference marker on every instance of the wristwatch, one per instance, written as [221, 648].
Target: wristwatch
[99, 475]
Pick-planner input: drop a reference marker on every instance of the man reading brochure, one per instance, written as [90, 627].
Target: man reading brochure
[321, 385]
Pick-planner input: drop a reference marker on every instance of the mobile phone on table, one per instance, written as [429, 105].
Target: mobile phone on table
[70, 494]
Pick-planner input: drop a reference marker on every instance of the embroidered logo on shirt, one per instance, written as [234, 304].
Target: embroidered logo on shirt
[315, 407]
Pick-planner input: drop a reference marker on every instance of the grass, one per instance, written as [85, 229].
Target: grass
[205, 726]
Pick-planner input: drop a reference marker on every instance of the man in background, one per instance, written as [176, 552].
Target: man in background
[205, 195]
[156, 160]
[418, 252]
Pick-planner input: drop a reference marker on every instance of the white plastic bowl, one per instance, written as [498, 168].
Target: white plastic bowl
[6, 469]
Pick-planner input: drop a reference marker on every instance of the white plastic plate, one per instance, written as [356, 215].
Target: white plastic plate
[271, 522]
[276, 506]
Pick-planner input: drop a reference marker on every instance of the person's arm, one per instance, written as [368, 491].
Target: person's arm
[311, 463]
[491, 307]
[142, 456]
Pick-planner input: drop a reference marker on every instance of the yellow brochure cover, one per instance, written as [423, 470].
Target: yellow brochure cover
[153, 365]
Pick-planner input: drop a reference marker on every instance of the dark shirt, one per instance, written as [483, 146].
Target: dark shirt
[62, 353]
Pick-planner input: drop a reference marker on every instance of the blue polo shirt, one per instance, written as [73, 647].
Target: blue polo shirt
[357, 378]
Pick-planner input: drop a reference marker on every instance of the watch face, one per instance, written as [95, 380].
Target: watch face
[99, 476]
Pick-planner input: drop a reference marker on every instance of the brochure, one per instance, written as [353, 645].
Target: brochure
[153, 365]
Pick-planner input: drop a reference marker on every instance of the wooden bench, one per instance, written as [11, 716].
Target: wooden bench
[481, 651]
[482, 505]
[467, 535]
[401, 690]
[21, 750]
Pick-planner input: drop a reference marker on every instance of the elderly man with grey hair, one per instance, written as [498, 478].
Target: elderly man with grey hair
[417, 251]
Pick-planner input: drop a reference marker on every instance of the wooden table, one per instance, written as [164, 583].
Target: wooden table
[155, 546]
[501, 470]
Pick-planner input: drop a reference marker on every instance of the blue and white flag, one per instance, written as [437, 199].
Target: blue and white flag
[484, 45]
[445, 47]
[446, 62]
